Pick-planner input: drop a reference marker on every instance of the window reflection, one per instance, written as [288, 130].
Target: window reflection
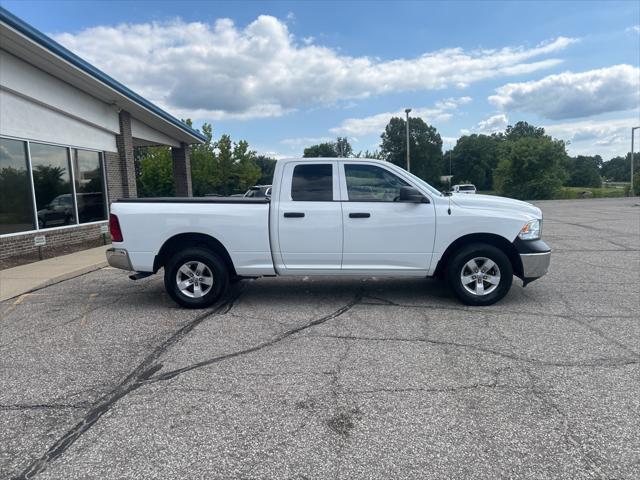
[87, 169]
[52, 182]
[16, 204]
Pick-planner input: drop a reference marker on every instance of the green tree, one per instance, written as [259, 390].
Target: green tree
[523, 130]
[375, 154]
[246, 171]
[205, 177]
[583, 171]
[221, 167]
[267, 165]
[530, 167]
[326, 149]
[340, 148]
[425, 147]
[473, 159]
[343, 147]
[618, 168]
[155, 177]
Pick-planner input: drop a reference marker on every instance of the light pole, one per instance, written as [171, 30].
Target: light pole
[450, 152]
[407, 110]
[633, 129]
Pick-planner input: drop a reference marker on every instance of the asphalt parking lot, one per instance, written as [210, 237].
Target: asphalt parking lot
[106, 378]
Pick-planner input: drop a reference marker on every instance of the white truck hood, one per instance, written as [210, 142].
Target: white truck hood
[490, 202]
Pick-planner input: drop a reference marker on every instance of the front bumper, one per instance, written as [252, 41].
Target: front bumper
[119, 258]
[535, 256]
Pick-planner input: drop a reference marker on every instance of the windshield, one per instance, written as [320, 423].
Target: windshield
[467, 187]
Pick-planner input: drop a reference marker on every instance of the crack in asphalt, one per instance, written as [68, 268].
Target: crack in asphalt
[595, 330]
[43, 406]
[545, 397]
[598, 332]
[502, 312]
[133, 381]
[474, 386]
[143, 375]
[179, 371]
[572, 440]
[597, 362]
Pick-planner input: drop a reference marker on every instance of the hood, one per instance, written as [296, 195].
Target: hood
[494, 203]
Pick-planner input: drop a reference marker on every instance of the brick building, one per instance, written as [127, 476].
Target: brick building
[67, 133]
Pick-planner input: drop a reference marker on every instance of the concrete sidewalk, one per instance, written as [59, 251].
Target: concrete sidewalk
[26, 278]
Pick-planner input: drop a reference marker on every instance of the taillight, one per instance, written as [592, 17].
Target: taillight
[114, 228]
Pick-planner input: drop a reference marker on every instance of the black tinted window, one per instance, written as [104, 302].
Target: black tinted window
[52, 182]
[368, 183]
[87, 166]
[16, 205]
[312, 183]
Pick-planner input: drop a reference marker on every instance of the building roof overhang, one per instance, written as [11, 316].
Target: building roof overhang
[36, 48]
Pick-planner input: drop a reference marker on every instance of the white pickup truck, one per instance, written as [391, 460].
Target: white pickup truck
[347, 217]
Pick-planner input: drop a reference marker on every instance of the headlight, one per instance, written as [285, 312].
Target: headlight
[531, 231]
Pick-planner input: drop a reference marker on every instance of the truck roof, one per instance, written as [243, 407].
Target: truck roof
[327, 159]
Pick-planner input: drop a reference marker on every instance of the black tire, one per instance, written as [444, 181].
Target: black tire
[191, 256]
[467, 253]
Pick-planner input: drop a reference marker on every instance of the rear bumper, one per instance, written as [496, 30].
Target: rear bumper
[119, 258]
[535, 257]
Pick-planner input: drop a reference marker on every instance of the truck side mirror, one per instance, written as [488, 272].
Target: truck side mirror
[411, 195]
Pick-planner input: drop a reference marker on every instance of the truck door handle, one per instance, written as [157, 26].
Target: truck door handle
[293, 214]
[359, 215]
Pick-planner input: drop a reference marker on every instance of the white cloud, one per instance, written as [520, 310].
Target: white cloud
[574, 95]
[607, 138]
[493, 124]
[634, 29]
[442, 111]
[222, 70]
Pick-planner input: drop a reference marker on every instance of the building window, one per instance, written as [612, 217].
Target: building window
[16, 203]
[90, 198]
[52, 185]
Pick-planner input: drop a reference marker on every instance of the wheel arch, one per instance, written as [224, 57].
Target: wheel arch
[497, 241]
[185, 240]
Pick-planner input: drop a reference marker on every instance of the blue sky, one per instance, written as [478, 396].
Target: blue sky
[283, 75]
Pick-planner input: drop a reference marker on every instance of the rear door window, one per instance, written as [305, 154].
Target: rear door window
[312, 183]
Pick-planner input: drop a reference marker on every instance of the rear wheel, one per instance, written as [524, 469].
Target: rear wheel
[479, 274]
[196, 277]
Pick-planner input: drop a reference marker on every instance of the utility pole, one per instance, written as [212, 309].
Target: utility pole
[633, 129]
[407, 110]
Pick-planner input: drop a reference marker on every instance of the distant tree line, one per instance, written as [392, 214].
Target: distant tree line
[521, 162]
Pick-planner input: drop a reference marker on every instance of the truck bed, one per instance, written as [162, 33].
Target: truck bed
[240, 224]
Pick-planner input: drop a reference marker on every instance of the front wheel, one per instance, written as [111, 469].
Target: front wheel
[479, 274]
[196, 277]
